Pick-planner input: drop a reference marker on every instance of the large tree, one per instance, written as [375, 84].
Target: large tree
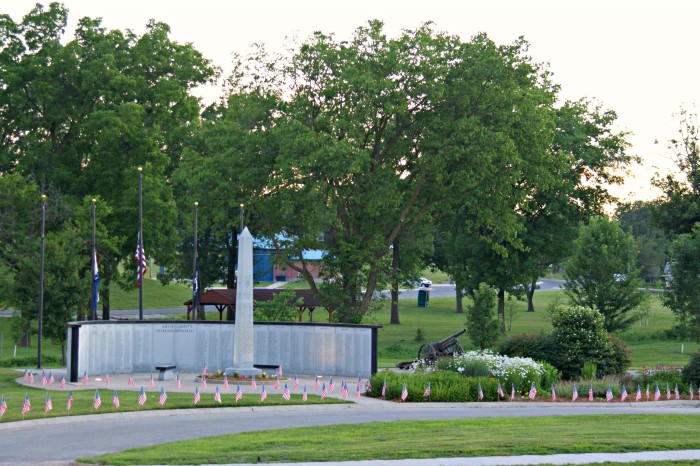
[81, 116]
[602, 273]
[377, 132]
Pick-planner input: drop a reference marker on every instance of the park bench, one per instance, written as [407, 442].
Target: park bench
[165, 371]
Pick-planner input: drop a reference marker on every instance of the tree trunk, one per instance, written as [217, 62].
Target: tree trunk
[502, 309]
[395, 285]
[530, 294]
[63, 354]
[459, 295]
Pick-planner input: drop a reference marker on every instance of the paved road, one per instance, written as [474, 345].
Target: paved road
[63, 439]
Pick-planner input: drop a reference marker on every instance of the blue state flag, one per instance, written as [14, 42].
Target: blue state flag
[95, 281]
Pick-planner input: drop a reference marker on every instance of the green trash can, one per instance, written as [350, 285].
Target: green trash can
[423, 297]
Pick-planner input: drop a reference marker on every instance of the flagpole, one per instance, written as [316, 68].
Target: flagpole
[195, 301]
[140, 261]
[41, 283]
[92, 262]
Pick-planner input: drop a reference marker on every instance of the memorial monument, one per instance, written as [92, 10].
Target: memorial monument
[243, 344]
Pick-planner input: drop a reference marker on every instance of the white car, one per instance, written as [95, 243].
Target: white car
[424, 283]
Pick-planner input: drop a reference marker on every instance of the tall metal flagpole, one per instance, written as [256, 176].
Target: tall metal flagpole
[241, 222]
[92, 263]
[140, 245]
[195, 302]
[41, 282]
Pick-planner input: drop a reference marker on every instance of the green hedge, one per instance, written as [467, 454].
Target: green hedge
[445, 386]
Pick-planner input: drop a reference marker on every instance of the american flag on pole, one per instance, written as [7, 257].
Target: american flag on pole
[217, 395]
[27, 405]
[226, 381]
[690, 390]
[303, 395]
[677, 393]
[317, 383]
[142, 397]
[31, 377]
[204, 381]
[623, 397]
[239, 394]
[499, 390]
[647, 392]
[277, 382]
[106, 379]
[253, 385]
[368, 385]
[344, 390]
[296, 382]
[638, 396]
[279, 370]
[359, 382]
[698, 390]
[49, 405]
[26, 375]
[69, 402]
[263, 393]
[480, 392]
[324, 392]
[44, 380]
[204, 372]
[574, 394]
[151, 382]
[115, 400]
[285, 392]
[178, 382]
[358, 393]
[330, 385]
[657, 393]
[384, 389]
[427, 390]
[196, 395]
[533, 392]
[163, 396]
[130, 380]
[404, 393]
[554, 394]
[63, 382]
[512, 392]
[97, 402]
[668, 392]
[590, 393]
[609, 394]
[140, 258]
[85, 378]
[51, 379]
[3, 406]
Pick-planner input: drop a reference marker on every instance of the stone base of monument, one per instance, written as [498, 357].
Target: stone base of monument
[244, 372]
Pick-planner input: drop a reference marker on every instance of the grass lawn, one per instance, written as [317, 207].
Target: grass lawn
[429, 439]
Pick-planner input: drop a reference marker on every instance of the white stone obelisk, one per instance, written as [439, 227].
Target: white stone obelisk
[243, 344]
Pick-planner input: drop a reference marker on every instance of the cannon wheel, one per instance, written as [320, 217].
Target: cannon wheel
[427, 352]
[458, 350]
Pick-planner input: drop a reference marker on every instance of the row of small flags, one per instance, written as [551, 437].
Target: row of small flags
[533, 392]
[97, 402]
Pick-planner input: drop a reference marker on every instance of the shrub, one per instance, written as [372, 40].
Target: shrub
[550, 375]
[589, 370]
[691, 372]
[580, 337]
[537, 347]
[482, 322]
[30, 361]
[445, 386]
[615, 357]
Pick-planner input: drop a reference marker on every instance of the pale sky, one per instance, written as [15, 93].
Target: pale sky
[635, 57]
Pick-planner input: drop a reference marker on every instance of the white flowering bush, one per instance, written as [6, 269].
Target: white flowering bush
[518, 372]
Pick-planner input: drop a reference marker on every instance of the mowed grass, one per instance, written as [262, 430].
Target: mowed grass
[429, 439]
